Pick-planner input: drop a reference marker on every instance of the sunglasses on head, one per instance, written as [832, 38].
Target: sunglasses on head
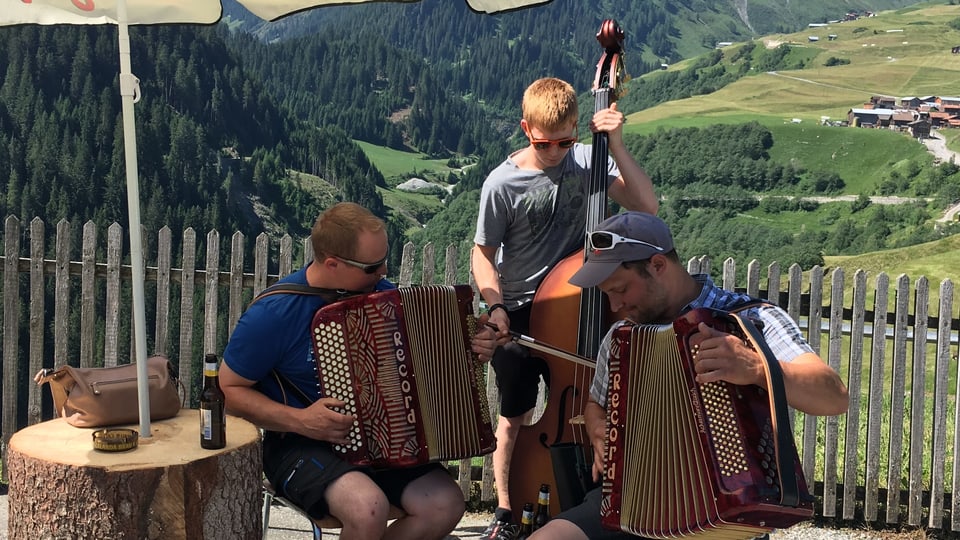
[606, 240]
[368, 268]
[543, 144]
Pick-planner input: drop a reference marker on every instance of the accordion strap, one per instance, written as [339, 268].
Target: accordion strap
[328, 295]
[287, 385]
[779, 415]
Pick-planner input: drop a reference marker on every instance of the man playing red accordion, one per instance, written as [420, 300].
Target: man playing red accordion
[631, 258]
[273, 336]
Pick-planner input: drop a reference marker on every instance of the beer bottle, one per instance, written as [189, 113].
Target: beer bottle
[213, 422]
[543, 507]
[526, 522]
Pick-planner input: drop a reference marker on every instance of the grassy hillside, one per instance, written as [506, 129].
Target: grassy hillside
[394, 163]
[913, 60]
[936, 261]
[898, 53]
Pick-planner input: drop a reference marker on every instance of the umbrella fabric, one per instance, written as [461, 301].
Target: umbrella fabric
[184, 11]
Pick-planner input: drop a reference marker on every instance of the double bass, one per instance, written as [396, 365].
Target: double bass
[555, 450]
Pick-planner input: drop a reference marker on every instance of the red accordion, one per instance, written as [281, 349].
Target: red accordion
[402, 363]
[685, 458]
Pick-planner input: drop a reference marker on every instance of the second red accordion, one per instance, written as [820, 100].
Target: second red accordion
[685, 458]
[401, 361]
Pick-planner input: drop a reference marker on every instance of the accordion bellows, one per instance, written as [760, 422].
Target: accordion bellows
[689, 459]
[401, 361]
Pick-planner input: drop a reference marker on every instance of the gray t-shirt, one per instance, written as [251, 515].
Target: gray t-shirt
[536, 218]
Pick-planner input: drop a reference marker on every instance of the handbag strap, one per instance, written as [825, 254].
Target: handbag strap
[59, 379]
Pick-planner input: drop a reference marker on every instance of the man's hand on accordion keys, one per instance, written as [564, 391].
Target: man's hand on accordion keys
[323, 421]
[719, 356]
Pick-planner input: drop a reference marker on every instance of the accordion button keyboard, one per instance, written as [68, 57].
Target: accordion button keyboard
[330, 346]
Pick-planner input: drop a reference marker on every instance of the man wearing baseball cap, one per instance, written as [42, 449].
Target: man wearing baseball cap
[631, 258]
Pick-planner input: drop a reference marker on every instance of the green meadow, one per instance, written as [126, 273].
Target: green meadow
[903, 53]
[897, 53]
[395, 163]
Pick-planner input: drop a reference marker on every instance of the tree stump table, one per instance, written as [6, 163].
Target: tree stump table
[165, 488]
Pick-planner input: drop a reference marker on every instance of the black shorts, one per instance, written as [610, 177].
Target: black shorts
[301, 469]
[586, 516]
[517, 372]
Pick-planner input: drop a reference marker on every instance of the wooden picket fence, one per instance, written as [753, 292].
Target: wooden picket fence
[889, 462]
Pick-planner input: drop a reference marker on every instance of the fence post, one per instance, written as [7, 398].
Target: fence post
[88, 287]
[187, 289]
[918, 435]
[112, 307]
[830, 445]
[37, 322]
[814, 331]
[261, 258]
[427, 272]
[211, 292]
[61, 308]
[875, 405]
[235, 299]
[161, 340]
[11, 332]
[897, 398]
[940, 390]
[852, 420]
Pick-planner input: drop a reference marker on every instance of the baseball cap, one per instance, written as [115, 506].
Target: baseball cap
[630, 236]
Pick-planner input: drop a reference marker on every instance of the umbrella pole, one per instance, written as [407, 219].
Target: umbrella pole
[128, 90]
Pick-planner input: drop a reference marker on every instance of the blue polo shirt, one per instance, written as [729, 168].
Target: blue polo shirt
[274, 334]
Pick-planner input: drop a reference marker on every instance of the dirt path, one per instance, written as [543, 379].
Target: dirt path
[937, 146]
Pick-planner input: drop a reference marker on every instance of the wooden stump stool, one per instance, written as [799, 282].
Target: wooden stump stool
[166, 488]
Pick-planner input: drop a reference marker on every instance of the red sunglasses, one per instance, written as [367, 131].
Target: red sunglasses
[543, 144]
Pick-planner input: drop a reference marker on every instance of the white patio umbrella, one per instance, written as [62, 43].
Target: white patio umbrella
[124, 13]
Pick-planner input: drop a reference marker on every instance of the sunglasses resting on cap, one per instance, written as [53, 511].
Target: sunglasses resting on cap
[605, 240]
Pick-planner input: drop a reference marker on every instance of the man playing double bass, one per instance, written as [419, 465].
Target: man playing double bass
[533, 210]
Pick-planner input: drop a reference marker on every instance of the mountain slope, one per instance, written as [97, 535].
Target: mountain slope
[902, 53]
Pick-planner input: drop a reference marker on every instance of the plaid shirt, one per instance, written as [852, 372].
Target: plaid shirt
[780, 331]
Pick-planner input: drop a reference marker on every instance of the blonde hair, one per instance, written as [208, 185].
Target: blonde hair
[550, 104]
[335, 231]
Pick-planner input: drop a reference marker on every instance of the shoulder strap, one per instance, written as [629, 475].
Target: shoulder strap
[287, 385]
[779, 412]
[747, 304]
[328, 295]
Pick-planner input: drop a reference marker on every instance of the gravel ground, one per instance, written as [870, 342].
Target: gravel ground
[285, 524]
